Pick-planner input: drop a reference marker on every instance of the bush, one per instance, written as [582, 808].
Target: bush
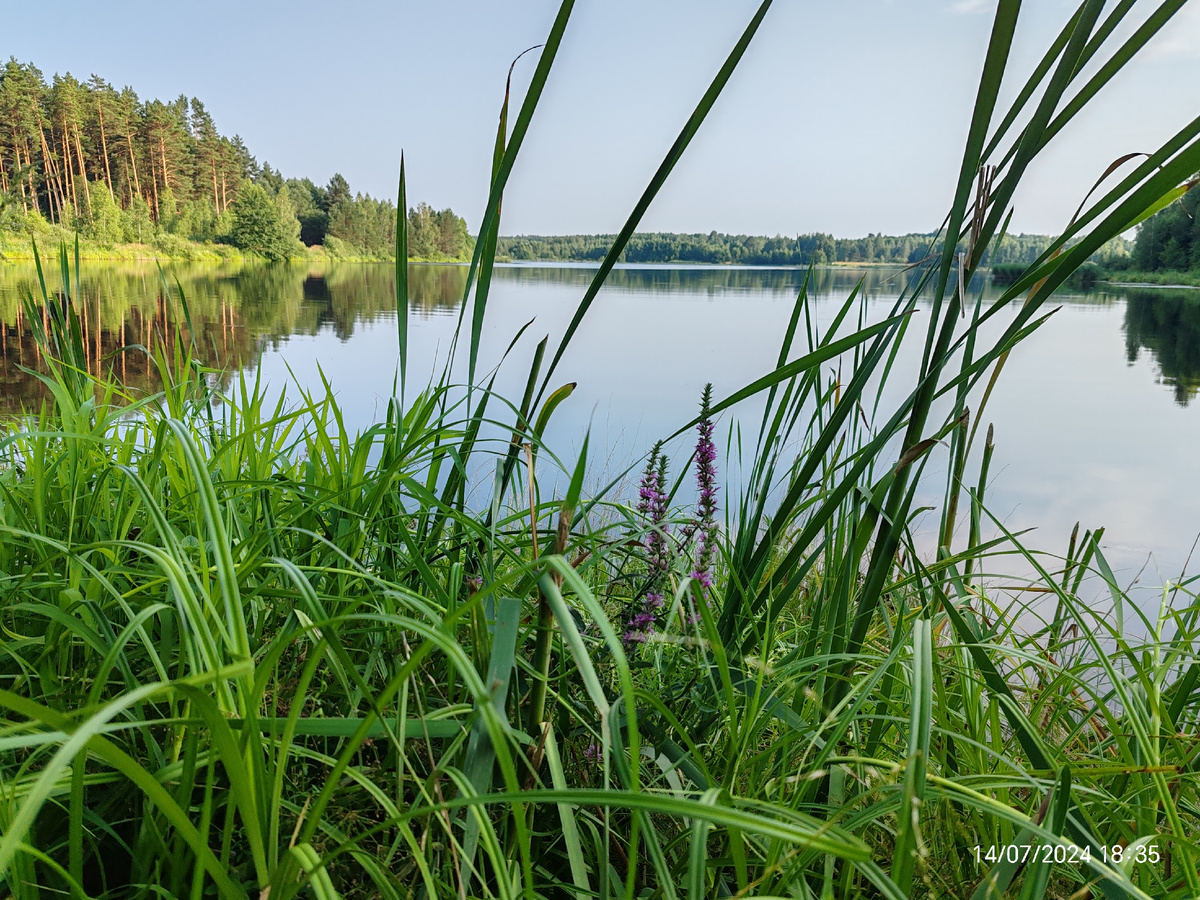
[174, 246]
[196, 221]
[260, 223]
[1007, 273]
[1085, 277]
[137, 225]
[102, 220]
[339, 249]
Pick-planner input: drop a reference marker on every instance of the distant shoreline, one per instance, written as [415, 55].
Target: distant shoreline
[1150, 284]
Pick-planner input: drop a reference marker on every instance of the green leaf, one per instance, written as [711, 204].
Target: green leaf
[402, 273]
[548, 408]
[481, 752]
[908, 817]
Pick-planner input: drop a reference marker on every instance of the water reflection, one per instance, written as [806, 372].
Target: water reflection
[238, 310]
[1167, 324]
[711, 280]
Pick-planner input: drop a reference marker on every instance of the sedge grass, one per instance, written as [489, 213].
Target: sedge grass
[249, 653]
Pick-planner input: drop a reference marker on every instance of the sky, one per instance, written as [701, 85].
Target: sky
[844, 117]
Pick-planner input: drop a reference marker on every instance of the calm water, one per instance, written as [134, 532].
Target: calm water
[1096, 414]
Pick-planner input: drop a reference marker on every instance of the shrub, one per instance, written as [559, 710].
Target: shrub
[261, 223]
[102, 220]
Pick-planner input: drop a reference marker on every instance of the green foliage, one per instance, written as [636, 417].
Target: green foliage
[360, 227]
[718, 248]
[137, 221]
[1170, 240]
[164, 153]
[287, 215]
[311, 204]
[168, 211]
[170, 171]
[264, 224]
[337, 248]
[366, 224]
[437, 235]
[103, 221]
[197, 221]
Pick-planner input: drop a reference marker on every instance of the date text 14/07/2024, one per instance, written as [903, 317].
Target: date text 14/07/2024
[1065, 853]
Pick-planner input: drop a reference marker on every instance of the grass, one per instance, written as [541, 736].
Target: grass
[17, 245]
[248, 653]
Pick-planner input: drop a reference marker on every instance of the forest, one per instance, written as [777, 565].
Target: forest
[94, 159]
[1169, 241]
[90, 158]
[817, 249]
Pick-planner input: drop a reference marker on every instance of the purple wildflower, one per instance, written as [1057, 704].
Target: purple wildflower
[706, 482]
[652, 503]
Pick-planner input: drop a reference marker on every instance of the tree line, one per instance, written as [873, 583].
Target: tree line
[1169, 241]
[718, 248]
[86, 156]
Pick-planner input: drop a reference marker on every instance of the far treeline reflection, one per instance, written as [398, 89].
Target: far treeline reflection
[1167, 323]
[240, 309]
[237, 311]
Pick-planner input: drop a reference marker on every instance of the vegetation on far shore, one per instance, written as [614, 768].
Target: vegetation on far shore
[803, 250]
[1167, 249]
[1165, 252]
[128, 173]
[1160, 278]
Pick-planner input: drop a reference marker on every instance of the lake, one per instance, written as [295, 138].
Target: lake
[1096, 415]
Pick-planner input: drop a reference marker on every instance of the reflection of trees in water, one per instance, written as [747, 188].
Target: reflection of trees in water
[235, 308]
[361, 293]
[712, 280]
[115, 333]
[1168, 325]
[434, 289]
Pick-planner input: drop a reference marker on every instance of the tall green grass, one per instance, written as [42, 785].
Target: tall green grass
[248, 653]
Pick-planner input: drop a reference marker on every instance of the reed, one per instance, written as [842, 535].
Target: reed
[247, 652]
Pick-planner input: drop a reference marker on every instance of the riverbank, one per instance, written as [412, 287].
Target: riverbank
[1131, 278]
[18, 246]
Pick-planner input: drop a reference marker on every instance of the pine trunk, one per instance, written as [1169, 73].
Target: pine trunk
[52, 178]
[104, 148]
[162, 149]
[65, 146]
[154, 184]
[37, 207]
[137, 187]
[216, 199]
[128, 182]
[87, 191]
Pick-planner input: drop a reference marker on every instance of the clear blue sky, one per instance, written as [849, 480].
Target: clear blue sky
[839, 119]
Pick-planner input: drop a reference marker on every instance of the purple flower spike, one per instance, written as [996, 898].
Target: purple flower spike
[652, 503]
[706, 482]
